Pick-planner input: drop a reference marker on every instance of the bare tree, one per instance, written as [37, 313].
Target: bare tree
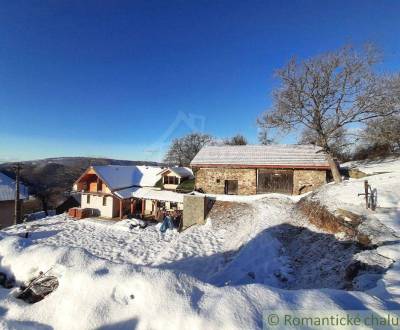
[182, 150]
[383, 132]
[237, 140]
[263, 136]
[327, 93]
[338, 142]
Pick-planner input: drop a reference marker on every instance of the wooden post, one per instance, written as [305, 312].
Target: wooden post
[98, 186]
[155, 209]
[120, 209]
[366, 193]
[133, 205]
[143, 207]
[17, 203]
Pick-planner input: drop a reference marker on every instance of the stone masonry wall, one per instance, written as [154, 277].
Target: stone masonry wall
[307, 180]
[212, 180]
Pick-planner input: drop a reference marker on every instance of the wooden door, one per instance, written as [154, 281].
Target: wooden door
[278, 181]
[231, 187]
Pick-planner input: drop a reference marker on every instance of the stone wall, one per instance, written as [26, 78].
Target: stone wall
[212, 180]
[307, 180]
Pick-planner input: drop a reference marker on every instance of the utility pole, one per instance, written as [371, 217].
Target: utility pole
[17, 213]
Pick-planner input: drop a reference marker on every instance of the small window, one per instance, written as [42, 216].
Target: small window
[171, 180]
[88, 199]
[218, 180]
[104, 201]
[231, 187]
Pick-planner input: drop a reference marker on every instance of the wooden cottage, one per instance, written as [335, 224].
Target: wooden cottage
[258, 169]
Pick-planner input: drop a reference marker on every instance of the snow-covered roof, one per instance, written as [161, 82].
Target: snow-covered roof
[117, 176]
[7, 189]
[182, 172]
[148, 193]
[260, 155]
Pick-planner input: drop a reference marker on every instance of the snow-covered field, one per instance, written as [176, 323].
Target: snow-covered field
[389, 164]
[223, 275]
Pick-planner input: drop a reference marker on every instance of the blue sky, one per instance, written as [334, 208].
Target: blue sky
[121, 78]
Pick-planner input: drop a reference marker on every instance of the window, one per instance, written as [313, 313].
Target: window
[88, 199]
[231, 187]
[171, 180]
[104, 201]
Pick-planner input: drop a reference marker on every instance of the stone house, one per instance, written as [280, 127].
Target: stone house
[258, 169]
[7, 199]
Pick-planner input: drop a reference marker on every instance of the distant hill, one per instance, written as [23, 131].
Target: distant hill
[52, 178]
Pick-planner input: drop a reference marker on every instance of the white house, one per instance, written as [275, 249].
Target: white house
[113, 191]
[105, 188]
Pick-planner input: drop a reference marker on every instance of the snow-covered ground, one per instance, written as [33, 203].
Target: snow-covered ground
[252, 256]
[389, 164]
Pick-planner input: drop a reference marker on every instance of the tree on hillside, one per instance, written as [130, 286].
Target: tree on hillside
[237, 140]
[182, 150]
[325, 94]
[383, 133]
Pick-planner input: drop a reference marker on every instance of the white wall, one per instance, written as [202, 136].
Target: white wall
[170, 186]
[148, 206]
[96, 202]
